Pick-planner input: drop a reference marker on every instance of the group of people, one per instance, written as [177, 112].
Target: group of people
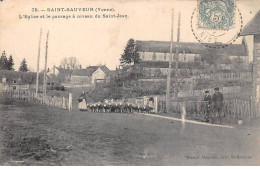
[121, 106]
[214, 104]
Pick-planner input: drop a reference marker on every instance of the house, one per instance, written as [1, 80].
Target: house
[100, 75]
[81, 76]
[253, 29]
[90, 75]
[52, 80]
[17, 80]
[23, 80]
[63, 75]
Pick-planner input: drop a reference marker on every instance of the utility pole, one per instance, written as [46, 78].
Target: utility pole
[168, 95]
[254, 73]
[38, 62]
[177, 60]
[45, 66]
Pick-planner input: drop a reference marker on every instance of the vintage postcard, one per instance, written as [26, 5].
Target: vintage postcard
[130, 83]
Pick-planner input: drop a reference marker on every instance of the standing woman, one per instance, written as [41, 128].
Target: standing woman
[82, 101]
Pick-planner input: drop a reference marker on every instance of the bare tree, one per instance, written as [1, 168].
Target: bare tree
[64, 63]
[73, 63]
[70, 63]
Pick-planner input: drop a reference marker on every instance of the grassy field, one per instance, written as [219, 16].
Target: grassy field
[33, 134]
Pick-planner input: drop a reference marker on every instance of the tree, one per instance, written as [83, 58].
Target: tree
[3, 62]
[131, 54]
[10, 63]
[237, 63]
[23, 67]
[64, 63]
[69, 63]
[73, 63]
[210, 56]
[215, 57]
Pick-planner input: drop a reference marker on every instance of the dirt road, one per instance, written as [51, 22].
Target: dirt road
[39, 135]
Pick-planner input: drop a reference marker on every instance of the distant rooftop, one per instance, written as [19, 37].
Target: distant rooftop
[20, 77]
[89, 70]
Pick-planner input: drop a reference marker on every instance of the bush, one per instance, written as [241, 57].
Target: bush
[56, 86]
[62, 88]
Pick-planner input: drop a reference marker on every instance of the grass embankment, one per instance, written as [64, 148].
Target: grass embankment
[41, 135]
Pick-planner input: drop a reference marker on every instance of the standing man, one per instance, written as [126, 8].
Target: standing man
[217, 100]
[207, 104]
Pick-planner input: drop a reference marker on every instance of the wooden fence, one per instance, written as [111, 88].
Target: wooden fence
[229, 75]
[238, 109]
[201, 93]
[224, 90]
[29, 96]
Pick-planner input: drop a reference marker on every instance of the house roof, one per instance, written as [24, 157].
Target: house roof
[253, 26]
[20, 77]
[93, 67]
[105, 70]
[189, 48]
[64, 71]
[90, 70]
[52, 78]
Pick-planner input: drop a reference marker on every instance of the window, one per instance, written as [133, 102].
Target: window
[164, 57]
[14, 81]
[4, 80]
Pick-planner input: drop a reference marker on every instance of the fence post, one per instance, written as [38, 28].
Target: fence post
[156, 104]
[63, 103]
[70, 101]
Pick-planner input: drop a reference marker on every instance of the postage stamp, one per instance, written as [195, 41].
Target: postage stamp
[216, 23]
[216, 14]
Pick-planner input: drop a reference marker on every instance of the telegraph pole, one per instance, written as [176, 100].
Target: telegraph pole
[254, 74]
[168, 96]
[177, 59]
[38, 62]
[45, 66]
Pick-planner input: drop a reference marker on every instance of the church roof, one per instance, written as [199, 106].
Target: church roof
[189, 48]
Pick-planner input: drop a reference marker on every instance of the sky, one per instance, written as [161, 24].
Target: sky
[94, 41]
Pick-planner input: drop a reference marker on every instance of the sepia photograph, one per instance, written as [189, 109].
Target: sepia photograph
[130, 83]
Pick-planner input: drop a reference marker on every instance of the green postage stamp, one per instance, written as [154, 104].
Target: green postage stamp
[216, 14]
